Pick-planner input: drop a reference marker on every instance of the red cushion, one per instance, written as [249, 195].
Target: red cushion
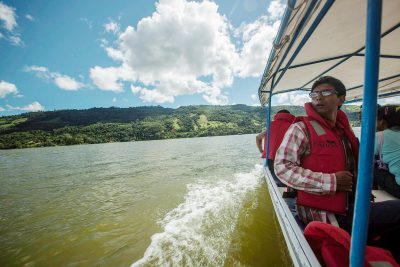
[331, 245]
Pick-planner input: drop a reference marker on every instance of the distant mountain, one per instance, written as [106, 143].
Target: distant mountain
[101, 125]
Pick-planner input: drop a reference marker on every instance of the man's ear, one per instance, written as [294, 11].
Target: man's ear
[342, 98]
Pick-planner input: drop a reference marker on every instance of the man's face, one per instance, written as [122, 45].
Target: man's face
[326, 105]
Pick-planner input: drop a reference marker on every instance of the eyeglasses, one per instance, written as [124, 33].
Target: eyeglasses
[322, 93]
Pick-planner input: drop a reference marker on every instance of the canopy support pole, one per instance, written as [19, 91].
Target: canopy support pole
[268, 128]
[368, 124]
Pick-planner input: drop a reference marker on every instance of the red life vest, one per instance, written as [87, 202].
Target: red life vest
[327, 155]
[331, 245]
[278, 128]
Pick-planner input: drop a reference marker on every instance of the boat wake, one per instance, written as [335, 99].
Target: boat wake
[198, 231]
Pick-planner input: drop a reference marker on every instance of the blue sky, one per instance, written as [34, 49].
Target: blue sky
[96, 53]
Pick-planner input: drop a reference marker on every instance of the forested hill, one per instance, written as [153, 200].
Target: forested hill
[102, 125]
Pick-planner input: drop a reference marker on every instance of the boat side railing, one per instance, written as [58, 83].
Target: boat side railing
[298, 247]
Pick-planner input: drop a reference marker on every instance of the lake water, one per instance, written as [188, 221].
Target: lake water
[182, 202]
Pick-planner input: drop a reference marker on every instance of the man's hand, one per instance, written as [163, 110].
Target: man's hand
[259, 139]
[344, 181]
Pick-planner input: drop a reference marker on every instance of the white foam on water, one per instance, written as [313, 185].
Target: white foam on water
[198, 231]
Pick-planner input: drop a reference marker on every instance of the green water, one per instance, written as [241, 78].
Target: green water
[186, 202]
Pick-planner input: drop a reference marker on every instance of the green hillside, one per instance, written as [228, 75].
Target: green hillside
[102, 125]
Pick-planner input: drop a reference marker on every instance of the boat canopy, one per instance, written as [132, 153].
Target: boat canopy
[327, 37]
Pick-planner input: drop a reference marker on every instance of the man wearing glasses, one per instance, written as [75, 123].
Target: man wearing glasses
[318, 157]
[311, 158]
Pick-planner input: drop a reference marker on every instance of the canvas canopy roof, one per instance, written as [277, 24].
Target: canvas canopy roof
[327, 37]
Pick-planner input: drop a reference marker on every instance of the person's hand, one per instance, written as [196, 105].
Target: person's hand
[344, 181]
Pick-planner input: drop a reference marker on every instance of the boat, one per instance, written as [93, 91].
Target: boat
[357, 41]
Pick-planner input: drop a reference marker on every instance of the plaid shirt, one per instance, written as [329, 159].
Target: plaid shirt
[296, 145]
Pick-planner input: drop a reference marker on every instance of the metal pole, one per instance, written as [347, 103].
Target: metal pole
[267, 127]
[285, 20]
[368, 124]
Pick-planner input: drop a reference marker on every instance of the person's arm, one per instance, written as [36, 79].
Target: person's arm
[259, 140]
[295, 145]
[377, 145]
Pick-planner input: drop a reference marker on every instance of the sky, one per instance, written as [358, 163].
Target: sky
[97, 53]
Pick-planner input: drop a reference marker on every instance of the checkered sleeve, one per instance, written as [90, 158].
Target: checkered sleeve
[294, 146]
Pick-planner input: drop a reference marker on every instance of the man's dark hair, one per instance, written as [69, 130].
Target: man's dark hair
[283, 111]
[336, 83]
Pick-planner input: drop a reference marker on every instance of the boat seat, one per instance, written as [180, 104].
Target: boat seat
[382, 195]
[281, 190]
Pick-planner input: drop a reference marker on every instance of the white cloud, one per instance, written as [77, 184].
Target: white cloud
[36, 68]
[114, 54]
[106, 78]
[29, 17]
[281, 99]
[276, 9]
[185, 48]
[155, 96]
[67, 83]
[216, 99]
[136, 89]
[291, 98]
[8, 17]
[300, 99]
[172, 51]
[16, 40]
[7, 88]
[41, 72]
[257, 43]
[254, 97]
[35, 106]
[151, 95]
[62, 81]
[2, 109]
[8, 20]
[257, 38]
[114, 100]
[112, 27]
[109, 79]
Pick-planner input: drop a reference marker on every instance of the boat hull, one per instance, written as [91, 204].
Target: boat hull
[299, 250]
